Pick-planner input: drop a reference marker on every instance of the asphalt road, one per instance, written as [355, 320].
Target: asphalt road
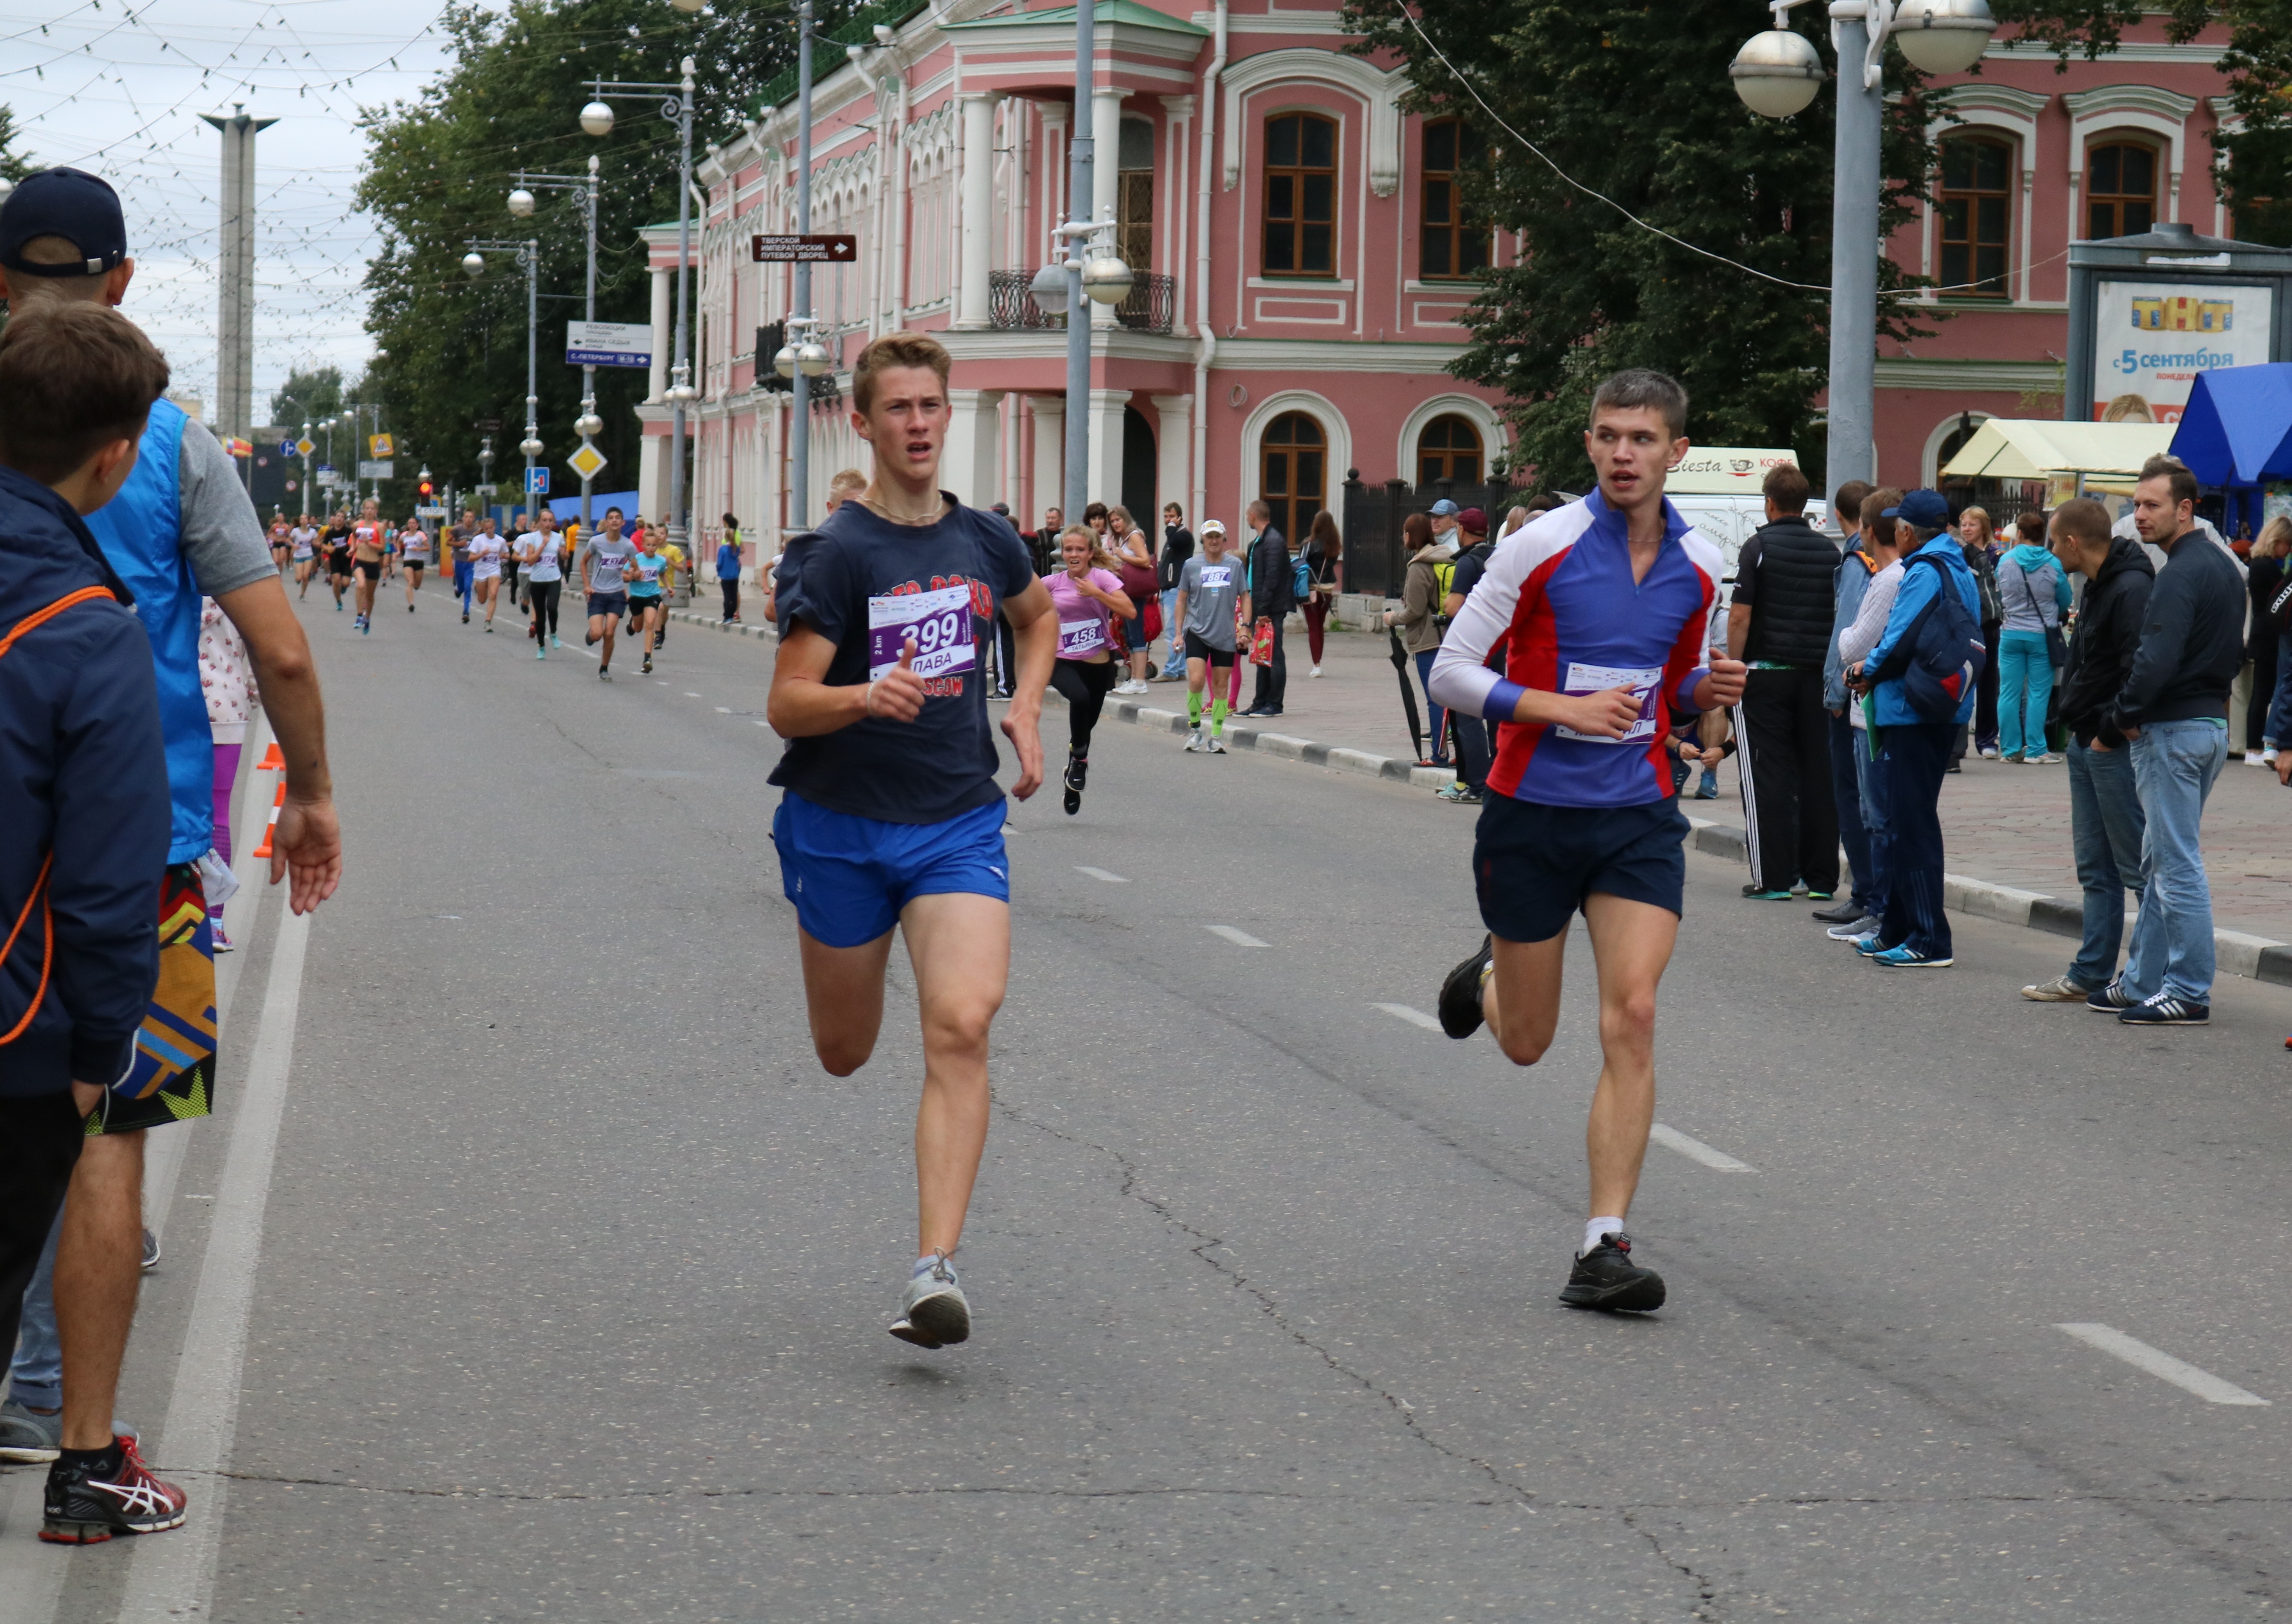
[574, 1266]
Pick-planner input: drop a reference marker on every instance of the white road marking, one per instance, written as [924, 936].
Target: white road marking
[1101, 874]
[1414, 1017]
[1695, 1150]
[169, 1580]
[722, 710]
[1240, 939]
[691, 695]
[762, 723]
[2162, 1365]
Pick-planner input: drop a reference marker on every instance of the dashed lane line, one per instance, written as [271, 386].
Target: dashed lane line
[1240, 939]
[2160, 1364]
[1695, 1150]
[1414, 1017]
[1101, 874]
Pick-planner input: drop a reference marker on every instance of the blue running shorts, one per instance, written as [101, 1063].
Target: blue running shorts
[1533, 865]
[849, 877]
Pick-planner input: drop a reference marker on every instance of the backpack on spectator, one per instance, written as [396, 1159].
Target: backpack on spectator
[1941, 656]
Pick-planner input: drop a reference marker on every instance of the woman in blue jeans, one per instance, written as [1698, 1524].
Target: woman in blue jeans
[2033, 590]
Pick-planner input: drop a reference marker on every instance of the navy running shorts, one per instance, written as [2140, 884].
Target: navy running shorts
[849, 877]
[1533, 865]
[611, 605]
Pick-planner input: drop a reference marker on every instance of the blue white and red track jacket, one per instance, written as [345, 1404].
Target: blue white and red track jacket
[1559, 595]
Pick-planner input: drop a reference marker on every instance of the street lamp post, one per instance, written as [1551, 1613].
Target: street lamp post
[802, 357]
[676, 107]
[588, 425]
[1777, 74]
[528, 256]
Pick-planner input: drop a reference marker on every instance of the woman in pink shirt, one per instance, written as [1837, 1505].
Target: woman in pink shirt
[1084, 598]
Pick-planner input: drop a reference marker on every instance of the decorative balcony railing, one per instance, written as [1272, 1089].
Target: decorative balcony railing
[1151, 305]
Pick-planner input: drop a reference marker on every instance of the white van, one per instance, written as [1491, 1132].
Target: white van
[1716, 489]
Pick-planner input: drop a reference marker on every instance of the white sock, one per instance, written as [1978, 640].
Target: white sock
[1597, 1229]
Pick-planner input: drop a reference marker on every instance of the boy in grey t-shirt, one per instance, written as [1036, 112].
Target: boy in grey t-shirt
[1213, 594]
[604, 565]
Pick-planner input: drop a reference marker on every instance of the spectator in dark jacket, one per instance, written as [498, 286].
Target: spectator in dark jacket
[84, 813]
[2174, 707]
[2264, 578]
[1177, 548]
[2105, 821]
[1272, 594]
[1778, 623]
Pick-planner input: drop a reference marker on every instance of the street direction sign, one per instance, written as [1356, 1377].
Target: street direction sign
[586, 462]
[816, 249]
[304, 446]
[536, 482]
[429, 513]
[375, 470]
[287, 447]
[608, 344]
[378, 447]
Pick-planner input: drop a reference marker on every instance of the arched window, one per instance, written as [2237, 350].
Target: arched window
[1976, 200]
[1292, 470]
[1448, 447]
[2121, 188]
[1301, 196]
[1452, 244]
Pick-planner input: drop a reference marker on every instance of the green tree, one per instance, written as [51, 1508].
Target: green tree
[14, 165]
[438, 175]
[307, 396]
[1630, 99]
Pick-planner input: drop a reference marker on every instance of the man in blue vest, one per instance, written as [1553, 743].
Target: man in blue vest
[181, 528]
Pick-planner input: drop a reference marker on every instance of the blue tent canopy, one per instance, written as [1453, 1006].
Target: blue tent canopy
[2237, 428]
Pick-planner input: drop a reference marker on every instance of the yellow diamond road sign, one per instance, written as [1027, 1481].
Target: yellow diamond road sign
[586, 462]
[304, 446]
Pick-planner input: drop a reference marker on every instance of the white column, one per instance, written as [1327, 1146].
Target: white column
[1173, 459]
[972, 467]
[1105, 172]
[1106, 445]
[1054, 171]
[977, 251]
[1174, 199]
[657, 379]
[1050, 453]
[651, 464]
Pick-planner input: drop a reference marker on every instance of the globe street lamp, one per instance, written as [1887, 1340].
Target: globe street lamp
[1777, 74]
[529, 258]
[676, 107]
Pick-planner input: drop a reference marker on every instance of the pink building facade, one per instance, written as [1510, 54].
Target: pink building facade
[1299, 274]
[2030, 161]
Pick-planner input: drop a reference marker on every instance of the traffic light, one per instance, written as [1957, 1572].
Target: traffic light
[427, 489]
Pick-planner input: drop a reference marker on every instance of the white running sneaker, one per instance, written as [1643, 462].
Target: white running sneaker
[934, 1311]
[1317, 671]
[1216, 745]
[2253, 758]
[1195, 742]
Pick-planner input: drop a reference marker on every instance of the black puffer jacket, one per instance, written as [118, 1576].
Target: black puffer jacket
[1793, 593]
[2107, 638]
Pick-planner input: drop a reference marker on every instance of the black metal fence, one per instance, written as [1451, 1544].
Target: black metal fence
[1151, 305]
[1010, 305]
[1373, 515]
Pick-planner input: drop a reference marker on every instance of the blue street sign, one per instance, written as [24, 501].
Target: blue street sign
[286, 449]
[536, 482]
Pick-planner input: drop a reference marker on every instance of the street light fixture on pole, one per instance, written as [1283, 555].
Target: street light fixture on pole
[528, 256]
[676, 107]
[1777, 74]
[588, 425]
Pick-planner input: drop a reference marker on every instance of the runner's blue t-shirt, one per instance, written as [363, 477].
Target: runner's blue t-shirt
[868, 586]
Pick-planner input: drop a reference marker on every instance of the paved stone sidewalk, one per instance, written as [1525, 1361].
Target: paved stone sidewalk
[2009, 825]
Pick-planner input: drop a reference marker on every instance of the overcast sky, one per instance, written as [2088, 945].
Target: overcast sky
[116, 87]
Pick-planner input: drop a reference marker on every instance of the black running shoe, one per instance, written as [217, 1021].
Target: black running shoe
[1460, 994]
[90, 1499]
[1843, 913]
[1077, 771]
[1606, 1277]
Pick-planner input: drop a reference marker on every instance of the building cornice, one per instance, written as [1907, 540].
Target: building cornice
[1985, 377]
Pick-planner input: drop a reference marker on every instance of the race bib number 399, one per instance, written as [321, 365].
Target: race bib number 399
[938, 623]
[1596, 679]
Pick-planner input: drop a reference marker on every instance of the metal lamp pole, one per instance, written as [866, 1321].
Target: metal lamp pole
[528, 256]
[597, 120]
[588, 425]
[1777, 74]
[800, 398]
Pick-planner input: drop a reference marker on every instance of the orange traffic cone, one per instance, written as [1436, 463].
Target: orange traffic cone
[271, 762]
[271, 828]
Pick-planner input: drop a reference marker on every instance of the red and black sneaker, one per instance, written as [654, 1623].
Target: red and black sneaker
[94, 1495]
[1606, 1277]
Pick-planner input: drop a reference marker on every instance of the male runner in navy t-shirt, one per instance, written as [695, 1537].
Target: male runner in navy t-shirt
[1603, 610]
[893, 816]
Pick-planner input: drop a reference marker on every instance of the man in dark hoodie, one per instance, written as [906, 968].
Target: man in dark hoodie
[85, 816]
[1271, 596]
[2174, 707]
[2105, 821]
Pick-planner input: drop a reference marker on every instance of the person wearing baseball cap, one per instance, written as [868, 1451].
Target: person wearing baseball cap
[1443, 514]
[181, 528]
[1915, 933]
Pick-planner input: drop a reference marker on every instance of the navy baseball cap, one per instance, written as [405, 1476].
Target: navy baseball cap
[71, 204]
[1444, 509]
[1921, 507]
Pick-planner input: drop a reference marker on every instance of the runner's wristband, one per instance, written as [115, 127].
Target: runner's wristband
[1504, 699]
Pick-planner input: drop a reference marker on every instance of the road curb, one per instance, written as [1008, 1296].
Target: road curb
[2254, 957]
